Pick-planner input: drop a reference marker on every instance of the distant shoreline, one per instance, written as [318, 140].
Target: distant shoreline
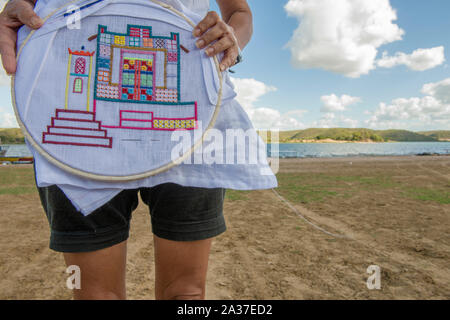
[356, 135]
[312, 142]
[362, 158]
[311, 135]
[347, 141]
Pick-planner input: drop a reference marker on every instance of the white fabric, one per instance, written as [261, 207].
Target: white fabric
[88, 195]
[129, 149]
[200, 7]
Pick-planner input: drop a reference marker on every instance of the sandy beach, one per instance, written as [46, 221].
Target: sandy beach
[393, 211]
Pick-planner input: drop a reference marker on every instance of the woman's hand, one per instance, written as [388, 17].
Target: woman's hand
[15, 14]
[217, 36]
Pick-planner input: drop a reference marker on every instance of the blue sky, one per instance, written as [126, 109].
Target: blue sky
[425, 25]
[276, 94]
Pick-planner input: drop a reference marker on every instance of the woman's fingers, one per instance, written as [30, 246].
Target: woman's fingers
[219, 30]
[229, 59]
[15, 14]
[209, 21]
[220, 46]
[8, 49]
[217, 36]
[25, 14]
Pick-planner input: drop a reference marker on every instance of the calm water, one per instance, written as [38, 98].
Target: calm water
[16, 150]
[324, 150]
[328, 150]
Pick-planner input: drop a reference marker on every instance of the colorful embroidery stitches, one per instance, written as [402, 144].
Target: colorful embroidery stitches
[80, 66]
[79, 73]
[137, 67]
[139, 64]
[78, 85]
[136, 75]
[136, 86]
[76, 128]
[166, 95]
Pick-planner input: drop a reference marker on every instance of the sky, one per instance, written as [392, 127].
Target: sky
[379, 64]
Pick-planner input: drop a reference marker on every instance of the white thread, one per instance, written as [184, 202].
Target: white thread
[306, 220]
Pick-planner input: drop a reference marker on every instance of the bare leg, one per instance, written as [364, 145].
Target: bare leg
[102, 273]
[181, 269]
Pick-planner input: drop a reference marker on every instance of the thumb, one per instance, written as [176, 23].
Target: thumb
[27, 16]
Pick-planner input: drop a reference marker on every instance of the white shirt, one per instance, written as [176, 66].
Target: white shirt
[88, 195]
[200, 7]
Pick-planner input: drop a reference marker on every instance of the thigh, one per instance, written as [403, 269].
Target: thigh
[102, 273]
[72, 232]
[181, 213]
[181, 268]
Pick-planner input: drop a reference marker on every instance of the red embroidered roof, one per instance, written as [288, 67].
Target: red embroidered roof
[82, 53]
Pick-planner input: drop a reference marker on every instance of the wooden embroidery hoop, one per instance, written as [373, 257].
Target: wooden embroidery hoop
[92, 176]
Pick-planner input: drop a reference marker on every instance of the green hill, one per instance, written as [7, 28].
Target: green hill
[11, 136]
[338, 134]
[15, 136]
[404, 135]
[439, 135]
[360, 134]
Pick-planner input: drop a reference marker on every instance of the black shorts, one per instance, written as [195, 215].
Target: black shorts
[177, 213]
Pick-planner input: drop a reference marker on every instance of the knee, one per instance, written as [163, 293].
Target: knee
[183, 289]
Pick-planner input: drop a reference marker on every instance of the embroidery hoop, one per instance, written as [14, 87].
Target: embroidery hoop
[106, 178]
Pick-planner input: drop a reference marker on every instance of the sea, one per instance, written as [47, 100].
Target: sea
[323, 150]
[15, 150]
[332, 150]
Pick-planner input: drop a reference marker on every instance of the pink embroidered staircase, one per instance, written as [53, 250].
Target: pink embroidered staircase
[77, 128]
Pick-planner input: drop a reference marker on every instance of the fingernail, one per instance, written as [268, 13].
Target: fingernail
[200, 43]
[222, 67]
[36, 22]
[209, 51]
[196, 32]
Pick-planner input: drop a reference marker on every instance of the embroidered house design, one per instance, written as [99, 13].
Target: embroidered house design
[136, 86]
[140, 69]
[74, 126]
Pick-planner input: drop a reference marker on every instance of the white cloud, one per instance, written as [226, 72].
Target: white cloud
[439, 90]
[330, 120]
[250, 90]
[333, 103]
[5, 80]
[326, 121]
[432, 109]
[8, 120]
[248, 93]
[349, 123]
[341, 36]
[419, 60]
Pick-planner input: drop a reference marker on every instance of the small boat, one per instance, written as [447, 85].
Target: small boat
[24, 161]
